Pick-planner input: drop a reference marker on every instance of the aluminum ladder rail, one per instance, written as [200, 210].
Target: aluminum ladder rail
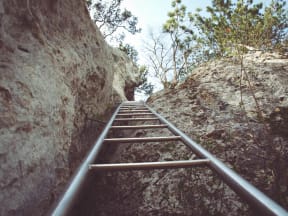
[255, 198]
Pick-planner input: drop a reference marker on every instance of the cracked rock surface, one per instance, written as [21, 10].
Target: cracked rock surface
[208, 108]
[57, 75]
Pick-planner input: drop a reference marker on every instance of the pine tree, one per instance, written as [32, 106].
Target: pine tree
[109, 17]
[231, 26]
[130, 51]
[180, 37]
[146, 87]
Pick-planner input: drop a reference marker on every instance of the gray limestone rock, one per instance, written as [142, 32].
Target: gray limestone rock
[207, 108]
[57, 74]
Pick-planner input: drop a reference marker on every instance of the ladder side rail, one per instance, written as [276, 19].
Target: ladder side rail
[254, 197]
[67, 200]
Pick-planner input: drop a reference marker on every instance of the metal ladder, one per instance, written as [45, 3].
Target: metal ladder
[139, 111]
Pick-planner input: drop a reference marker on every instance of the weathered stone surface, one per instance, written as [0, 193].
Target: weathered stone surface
[56, 73]
[207, 107]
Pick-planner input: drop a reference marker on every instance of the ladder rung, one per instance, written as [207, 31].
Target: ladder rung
[149, 165]
[132, 104]
[132, 107]
[139, 126]
[141, 139]
[131, 111]
[134, 114]
[135, 119]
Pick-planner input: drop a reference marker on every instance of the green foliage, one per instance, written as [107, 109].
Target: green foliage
[174, 53]
[89, 4]
[228, 28]
[180, 38]
[109, 17]
[242, 25]
[131, 52]
[145, 87]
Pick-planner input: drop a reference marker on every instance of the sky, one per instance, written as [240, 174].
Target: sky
[151, 15]
[154, 12]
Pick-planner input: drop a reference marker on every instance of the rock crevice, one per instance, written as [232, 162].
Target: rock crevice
[56, 73]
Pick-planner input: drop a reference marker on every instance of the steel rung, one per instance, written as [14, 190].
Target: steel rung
[131, 111]
[149, 165]
[132, 104]
[132, 107]
[135, 119]
[129, 104]
[142, 139]
[135, 104]
[134, 114]
[139, 126]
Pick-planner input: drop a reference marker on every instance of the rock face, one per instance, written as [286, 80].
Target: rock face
[57, 75]
[208, 107]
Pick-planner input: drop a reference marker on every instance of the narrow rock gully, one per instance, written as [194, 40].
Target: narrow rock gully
[87, 193]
